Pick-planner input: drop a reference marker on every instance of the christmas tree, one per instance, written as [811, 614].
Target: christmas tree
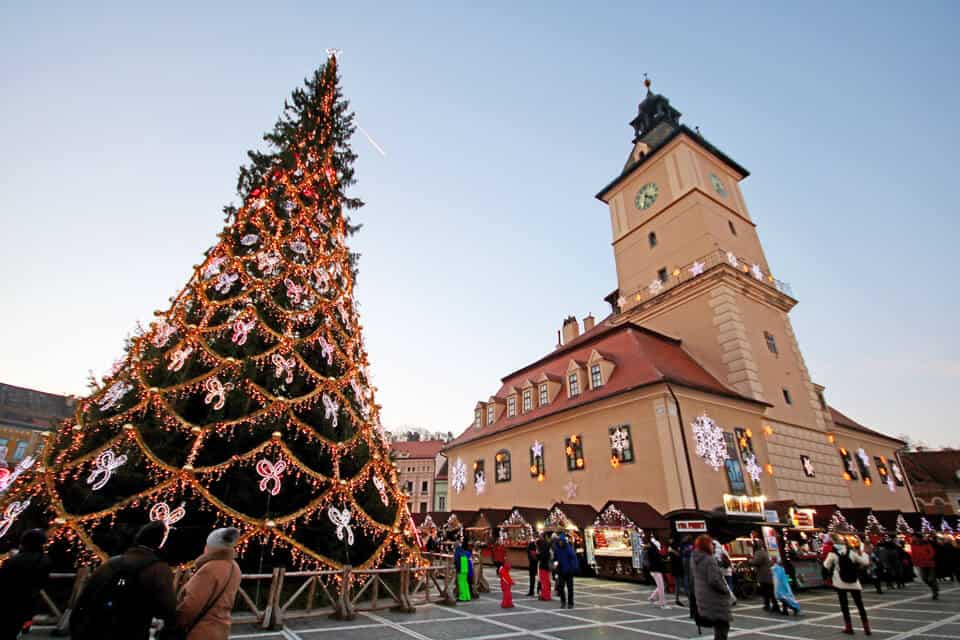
[248, 402]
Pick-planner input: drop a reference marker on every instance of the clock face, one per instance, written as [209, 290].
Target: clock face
[717, 185]
[646, 196]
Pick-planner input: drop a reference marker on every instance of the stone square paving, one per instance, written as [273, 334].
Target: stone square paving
[606, 609]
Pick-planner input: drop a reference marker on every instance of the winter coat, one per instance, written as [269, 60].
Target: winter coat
[217, 573]
[709, 587]
[833, 563]
[22, 577]
[922, 555]
[155, 586]
[566, 559]
[655, 560]
[761, 563]
[676, 562]
[889, 557]
[543, 555]
[498, 553]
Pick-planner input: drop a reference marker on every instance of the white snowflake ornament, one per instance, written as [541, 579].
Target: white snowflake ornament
[753, 469]
[710, 443]
[479, 482]
[459, 475]
[619, 440]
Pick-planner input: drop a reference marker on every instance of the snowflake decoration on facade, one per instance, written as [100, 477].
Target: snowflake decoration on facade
[710, 443]
[10, 514]
[503, 472]
[656, 286]
[697, 268]
[891, 484]
[753, 469]
[341, 519]
[732, 259]
[104, 466]
[897, 473]
[864, 458]
[114, 395]
[570, 489]
[619, 440]
[270, 474]
[807, 465]
[757, 272]
[161, 512]
[459, 479]
[479, 482]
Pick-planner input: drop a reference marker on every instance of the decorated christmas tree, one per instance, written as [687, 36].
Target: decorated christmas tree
[248, 401]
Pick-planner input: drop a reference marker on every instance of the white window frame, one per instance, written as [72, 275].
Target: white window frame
[511, 406]
[544, 394]
[527, 400]
[596, 381]
[491, 414]
[573, 381]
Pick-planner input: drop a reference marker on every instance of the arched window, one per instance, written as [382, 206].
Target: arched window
[652, 239]
[502, 466]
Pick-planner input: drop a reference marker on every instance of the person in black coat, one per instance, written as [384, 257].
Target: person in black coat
[21, 578]
[532, 566]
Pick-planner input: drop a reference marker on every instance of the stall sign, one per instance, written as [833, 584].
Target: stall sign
[802, 518]
[691, 526]
[636, 544]
[773, 545]
[588, 542]
[751, 506]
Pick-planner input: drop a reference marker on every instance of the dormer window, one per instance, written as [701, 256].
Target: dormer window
[573, 381]
[596, 377]
[527, 400]
[477, 417]
[544, 395]
[511, 406]
[491, 414]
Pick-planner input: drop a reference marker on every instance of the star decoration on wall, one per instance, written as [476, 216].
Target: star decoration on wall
[537, 449]
[570, 489]
[697, 268]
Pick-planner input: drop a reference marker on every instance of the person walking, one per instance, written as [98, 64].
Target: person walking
[922, 555]
[543, 566]
[464, 568]
[709, 590]
[760, 561]
[22, 577]
[205, 602]
[726, 564]
[498, 553]
[942, 558]
[565, 559]
[127, 592]
[782, 591]
[655, 565]
[888, 557]
[843, 562]
[532, 567]
[506, 585]
[675, 556]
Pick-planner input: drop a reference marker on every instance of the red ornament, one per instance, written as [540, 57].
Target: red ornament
[256, 192]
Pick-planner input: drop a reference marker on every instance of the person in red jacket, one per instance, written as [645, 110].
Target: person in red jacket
[921, 553]
[506, 585]
[498, 554]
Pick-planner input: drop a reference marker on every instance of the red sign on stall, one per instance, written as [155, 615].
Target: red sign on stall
[691, 526]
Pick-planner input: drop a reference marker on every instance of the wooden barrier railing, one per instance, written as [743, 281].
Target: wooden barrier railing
[340, 594]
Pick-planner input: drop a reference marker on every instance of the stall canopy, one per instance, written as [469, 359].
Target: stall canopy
[430, 520]
[857, 517]
[563, 515]
[533, 516]
[887, 518]
[488, 519]
[521, 525]
[641, 514]
[721, 526]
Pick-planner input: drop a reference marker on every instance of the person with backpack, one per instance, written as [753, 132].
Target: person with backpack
[844, 562]
[22, 577]
[710, 598]
[127, 592]
[205, 602]
[923, 558]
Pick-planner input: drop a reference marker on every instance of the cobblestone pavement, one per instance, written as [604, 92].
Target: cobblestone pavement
[606, 609]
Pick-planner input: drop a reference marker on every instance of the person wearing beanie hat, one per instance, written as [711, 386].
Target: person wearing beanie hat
[22, 577]
[205, 602]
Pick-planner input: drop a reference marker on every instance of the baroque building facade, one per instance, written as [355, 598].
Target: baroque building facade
[698, 339]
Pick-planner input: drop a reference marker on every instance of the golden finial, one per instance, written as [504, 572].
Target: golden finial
[646, 82]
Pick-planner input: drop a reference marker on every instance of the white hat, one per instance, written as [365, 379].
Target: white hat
[223, 538]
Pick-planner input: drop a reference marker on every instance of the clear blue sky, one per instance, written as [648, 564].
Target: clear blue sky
[122, 129]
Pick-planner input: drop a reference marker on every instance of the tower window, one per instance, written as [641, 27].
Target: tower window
[652, 239]
[662, 274]
[771, 342]
[733, 229]
[786, 396]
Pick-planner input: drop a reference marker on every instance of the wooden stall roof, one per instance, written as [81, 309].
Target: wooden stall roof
[582, 515]
[888, 518]
[640, 513]
[488, 519]
[821, 519]
[857, 516]
[531, 515]
[438, 517]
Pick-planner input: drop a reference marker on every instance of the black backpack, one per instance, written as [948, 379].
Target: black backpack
[112, 601]
[848, 570]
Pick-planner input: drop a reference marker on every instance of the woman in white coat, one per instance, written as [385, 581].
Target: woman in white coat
[845, 562]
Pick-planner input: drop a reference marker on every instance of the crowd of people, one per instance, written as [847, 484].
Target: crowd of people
[127, 592]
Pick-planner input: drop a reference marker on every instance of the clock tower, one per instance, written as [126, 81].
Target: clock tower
[690, 264]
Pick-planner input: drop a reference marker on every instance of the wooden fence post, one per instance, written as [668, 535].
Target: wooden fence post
[63, 624]
[272, 614]
[403, 595]
[478, 578]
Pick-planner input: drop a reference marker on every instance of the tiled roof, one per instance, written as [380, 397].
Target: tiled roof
[933, 468]
[442, 473]
[31, 409]
[844, 421]
[643, 357]
[415, 449]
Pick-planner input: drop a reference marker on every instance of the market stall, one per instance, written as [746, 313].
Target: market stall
[481, 530]
[451, 531]
[574, 520]
[802, 547]
[518, 529]
[427, 523]
[617, 534]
